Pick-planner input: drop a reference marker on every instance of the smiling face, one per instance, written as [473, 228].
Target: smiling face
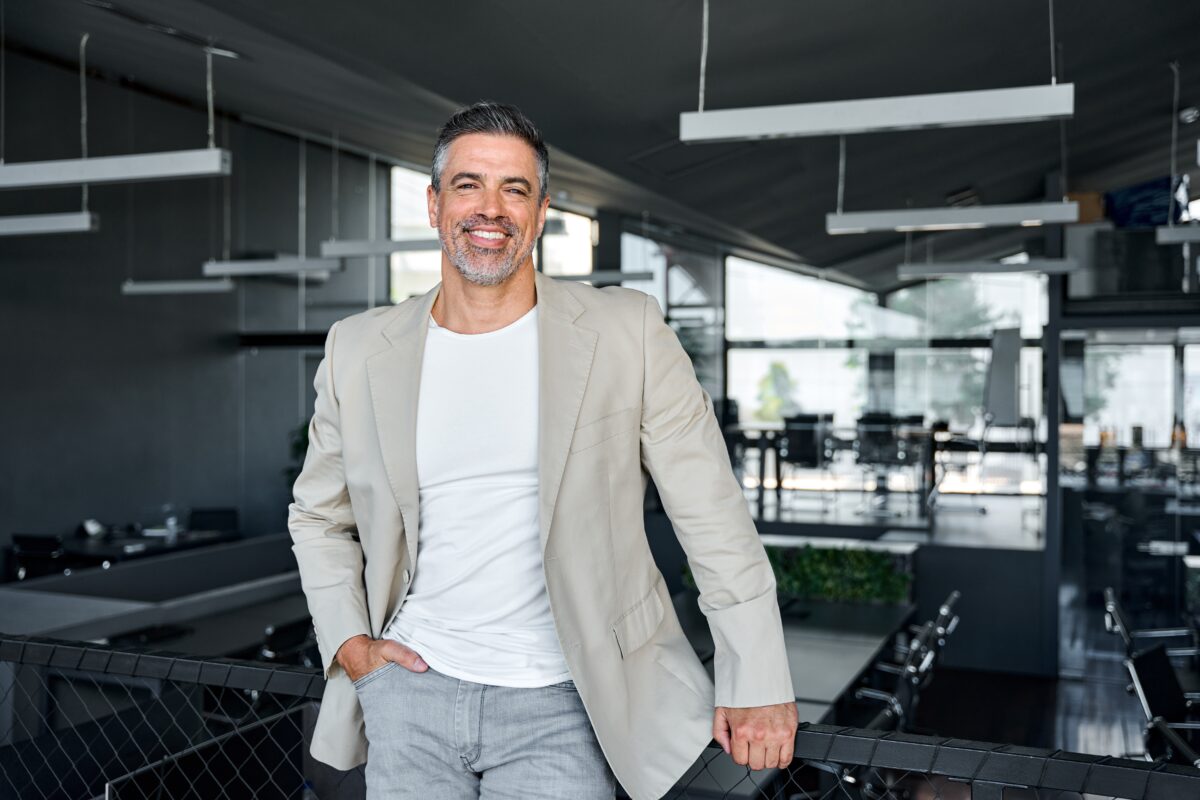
[489, 211]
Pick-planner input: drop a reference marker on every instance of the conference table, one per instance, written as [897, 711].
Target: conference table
[765, 436]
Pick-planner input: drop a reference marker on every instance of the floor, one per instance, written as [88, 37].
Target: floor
[1086, 710]
[993, 521]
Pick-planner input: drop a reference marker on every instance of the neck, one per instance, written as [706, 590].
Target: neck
[465, 307]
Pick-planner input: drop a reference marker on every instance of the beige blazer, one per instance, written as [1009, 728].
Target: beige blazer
[619, 402]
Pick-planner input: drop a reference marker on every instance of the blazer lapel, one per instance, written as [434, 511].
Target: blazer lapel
[565, 353]
[394, 375]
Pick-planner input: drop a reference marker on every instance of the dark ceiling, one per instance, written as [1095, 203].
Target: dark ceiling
[607, 81]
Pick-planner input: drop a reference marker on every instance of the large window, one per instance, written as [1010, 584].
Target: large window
[567, 243]
[975, 305]
[412, 273]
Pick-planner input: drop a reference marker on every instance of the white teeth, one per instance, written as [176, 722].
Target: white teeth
[489, 234]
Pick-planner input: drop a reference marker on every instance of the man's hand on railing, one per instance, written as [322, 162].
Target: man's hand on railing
[361, 654]
[760, 737]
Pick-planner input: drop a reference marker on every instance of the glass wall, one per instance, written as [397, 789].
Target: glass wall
[935, 392]
[1128, 471]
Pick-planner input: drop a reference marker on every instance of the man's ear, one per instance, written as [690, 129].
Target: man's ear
[431, 200]
[545, 206]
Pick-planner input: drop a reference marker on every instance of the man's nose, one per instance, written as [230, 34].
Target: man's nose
[490, 204]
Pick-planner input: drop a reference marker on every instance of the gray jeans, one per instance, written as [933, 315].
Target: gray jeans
[433, 737]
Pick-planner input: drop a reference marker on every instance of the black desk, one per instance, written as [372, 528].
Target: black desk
[124, 548]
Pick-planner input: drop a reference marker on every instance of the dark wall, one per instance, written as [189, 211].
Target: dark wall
[113, 405]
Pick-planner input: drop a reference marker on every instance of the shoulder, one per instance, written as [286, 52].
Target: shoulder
[615, 303]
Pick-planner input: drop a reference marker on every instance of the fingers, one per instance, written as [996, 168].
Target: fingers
[720, 730]
[787, 752]
[404, 656]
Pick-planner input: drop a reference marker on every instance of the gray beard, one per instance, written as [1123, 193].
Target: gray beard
[472, 262]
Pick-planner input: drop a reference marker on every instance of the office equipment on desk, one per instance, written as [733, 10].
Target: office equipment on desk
[33, 555]
[803, 443]
[37, 555]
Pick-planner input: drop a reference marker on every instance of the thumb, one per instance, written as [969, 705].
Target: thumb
[404, 656]
[721, 729]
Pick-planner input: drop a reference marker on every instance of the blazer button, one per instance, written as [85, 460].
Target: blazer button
[404, 576]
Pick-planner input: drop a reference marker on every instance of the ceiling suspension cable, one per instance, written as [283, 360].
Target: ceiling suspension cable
[703, 53]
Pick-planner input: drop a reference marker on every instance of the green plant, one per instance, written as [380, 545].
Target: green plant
[835, 575]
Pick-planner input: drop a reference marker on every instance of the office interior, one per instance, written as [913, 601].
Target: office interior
[990, 429]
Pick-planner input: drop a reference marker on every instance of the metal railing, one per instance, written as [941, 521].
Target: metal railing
[83, 721]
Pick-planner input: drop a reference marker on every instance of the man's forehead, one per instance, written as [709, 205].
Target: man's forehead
[482, 149]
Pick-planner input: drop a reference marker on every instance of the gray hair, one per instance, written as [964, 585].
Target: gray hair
[494, 118]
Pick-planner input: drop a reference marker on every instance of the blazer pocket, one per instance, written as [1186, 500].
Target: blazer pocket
[637, 625]
[593, 433]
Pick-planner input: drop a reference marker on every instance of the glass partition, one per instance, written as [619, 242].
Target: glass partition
[923, 412]
[1128, 471]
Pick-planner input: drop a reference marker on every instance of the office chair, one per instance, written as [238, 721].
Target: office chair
[1116, 622]
[803, 444]
[1161, 697]
[291, 643]
[1164, 744]
[877, 447]
[913, 672]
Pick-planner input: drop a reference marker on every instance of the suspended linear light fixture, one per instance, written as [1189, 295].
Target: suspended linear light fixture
[280, 265]
[951, 269]
[132, 287]
[208, 162]
[912, 112]
[31, 224]
[607, 277]
[909, 220]
[949, 219]
[354, 248]
[82, 221]
[907, 113]
[203, 163]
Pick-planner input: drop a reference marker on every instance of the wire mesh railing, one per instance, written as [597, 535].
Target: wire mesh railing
[82, 721]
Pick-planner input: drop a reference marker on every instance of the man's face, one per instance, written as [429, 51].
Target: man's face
[488, 213]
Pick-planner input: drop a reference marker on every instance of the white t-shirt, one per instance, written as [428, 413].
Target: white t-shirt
[477, 609]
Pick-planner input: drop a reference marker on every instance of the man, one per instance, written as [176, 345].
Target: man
[526, 646]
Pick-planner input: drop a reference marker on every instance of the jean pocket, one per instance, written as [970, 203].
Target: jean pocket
[363, 680]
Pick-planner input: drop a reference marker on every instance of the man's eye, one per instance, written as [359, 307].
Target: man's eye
[465, 186]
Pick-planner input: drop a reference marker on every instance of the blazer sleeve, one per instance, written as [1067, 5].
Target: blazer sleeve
[324, 533]
[684, 451]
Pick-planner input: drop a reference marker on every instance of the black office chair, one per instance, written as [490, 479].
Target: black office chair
[291, 643]
[1166, 745]
[1116, 622]
[878, 448]
[912, 672]
[1158, 691]
[804, 444]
